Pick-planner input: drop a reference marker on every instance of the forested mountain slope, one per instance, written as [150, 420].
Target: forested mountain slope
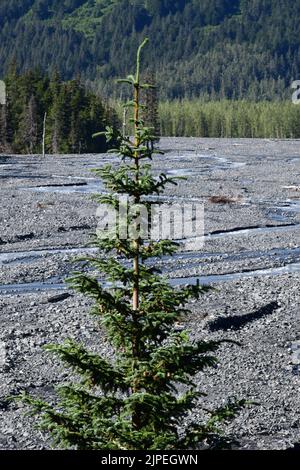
[224, 48]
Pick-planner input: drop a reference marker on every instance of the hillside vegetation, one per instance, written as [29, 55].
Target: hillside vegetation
[221, 48]
[67, 112]
[230, 119]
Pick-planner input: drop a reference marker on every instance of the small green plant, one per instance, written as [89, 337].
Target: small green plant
[142, 398]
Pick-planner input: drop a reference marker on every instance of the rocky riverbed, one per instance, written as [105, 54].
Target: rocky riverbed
[251, 254]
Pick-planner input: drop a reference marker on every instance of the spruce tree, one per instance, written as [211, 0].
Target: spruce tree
[28, 130]
[150, 103]
[3, 127]
[142, 398]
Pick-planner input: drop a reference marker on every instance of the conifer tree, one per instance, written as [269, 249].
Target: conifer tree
[133, 401]
[3, 128]
[150, 103]
[28, 131]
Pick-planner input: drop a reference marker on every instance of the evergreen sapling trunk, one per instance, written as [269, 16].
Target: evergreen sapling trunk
[132, 402]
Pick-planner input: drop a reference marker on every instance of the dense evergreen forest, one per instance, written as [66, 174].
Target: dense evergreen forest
[67, 112]
[221, 48]
[232, 119]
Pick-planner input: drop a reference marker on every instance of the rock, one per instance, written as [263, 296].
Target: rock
[59, 298]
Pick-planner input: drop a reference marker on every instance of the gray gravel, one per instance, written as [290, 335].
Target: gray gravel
[46, 218]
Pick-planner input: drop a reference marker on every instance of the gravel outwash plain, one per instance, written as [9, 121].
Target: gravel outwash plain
[251, 194]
